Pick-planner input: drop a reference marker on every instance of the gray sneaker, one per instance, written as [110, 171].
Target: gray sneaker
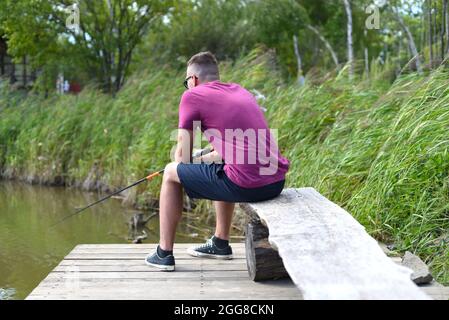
[165, 264]
[210, 250]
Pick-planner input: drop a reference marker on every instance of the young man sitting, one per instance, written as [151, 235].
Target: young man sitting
[245, 165]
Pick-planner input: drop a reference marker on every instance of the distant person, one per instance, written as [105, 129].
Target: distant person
[58, 85]
[66, 86]
[235, 171]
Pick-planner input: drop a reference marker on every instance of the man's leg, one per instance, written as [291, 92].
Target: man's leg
[224, 211]
[170, 206]
[218, 246]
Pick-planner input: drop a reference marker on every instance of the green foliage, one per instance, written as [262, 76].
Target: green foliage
[222, 27]
[379, 150]
[116, 33]
[101, 47]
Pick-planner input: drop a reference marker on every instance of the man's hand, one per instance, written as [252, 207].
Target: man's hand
[212, 157]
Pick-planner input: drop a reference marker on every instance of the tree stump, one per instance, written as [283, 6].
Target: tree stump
[264, 263]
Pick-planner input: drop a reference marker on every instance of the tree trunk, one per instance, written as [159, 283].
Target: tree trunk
[327, 44]
[430, 43]
[435, 30]
[2, 64]
[12, 78]
[301, 79]
[24, 71]
[411, 41]
[445, 15]
[366, 55]
[349, 38]
[443, 31]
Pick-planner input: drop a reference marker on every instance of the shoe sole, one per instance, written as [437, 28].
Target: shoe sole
[159, 266]
[209, 255]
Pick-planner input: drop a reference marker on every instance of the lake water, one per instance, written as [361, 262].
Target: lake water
[30, 249]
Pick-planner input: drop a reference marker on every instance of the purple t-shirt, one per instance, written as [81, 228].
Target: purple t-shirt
[234, 124]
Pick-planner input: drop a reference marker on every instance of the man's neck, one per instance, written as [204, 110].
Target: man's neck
[209, 80]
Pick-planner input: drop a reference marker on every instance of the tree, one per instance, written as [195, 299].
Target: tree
[350, 46]
[446, 15]
[108, 33]
[300, 74]
[278, 24]
[327, 44]
[411, 41]
[444, 29]
[222, 27]
[430, 28]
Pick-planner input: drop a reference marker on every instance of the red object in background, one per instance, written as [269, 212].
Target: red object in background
[75, 87]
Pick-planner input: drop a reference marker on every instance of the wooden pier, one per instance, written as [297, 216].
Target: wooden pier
[118, 271]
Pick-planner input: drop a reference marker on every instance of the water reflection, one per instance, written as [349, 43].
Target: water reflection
[30, 249]
[7, 293]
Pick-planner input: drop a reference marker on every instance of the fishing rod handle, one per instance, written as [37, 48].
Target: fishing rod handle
[202, 152]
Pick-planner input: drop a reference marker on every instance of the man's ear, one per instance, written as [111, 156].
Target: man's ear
[195, 80]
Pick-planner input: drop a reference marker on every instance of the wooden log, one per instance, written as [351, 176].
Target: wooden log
[326, 252]
[263, 262]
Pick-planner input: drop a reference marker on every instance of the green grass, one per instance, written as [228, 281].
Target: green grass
[380, 150]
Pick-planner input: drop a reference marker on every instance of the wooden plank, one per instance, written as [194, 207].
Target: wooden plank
[163, 296]
[135, 252]
[327, 253]
[134, 262]
[207, 289]
[165, 283]
[144, 268]
[213, 274]
[126, 256]
[139, 262]
[86, 274]
[238, 252]
[437, 292]
[234, 245]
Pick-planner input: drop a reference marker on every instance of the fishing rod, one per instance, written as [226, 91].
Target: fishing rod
[197, 154]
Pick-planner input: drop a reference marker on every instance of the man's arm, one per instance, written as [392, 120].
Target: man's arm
[184, 145]
[212, 157]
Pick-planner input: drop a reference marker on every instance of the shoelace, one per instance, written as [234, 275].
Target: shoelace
[209, 244]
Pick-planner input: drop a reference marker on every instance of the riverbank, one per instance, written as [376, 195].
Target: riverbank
[378, 149]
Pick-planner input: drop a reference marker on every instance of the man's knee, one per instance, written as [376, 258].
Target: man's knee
[171, 173]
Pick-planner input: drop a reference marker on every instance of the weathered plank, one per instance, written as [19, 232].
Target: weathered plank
[146, 246]
[135, 262]
[327, 253]
[188, 290]
[124, 256]
[437, 292]
[127, 277]
[238, 251]
[144, 268]
[135, 251]
[190, 274]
